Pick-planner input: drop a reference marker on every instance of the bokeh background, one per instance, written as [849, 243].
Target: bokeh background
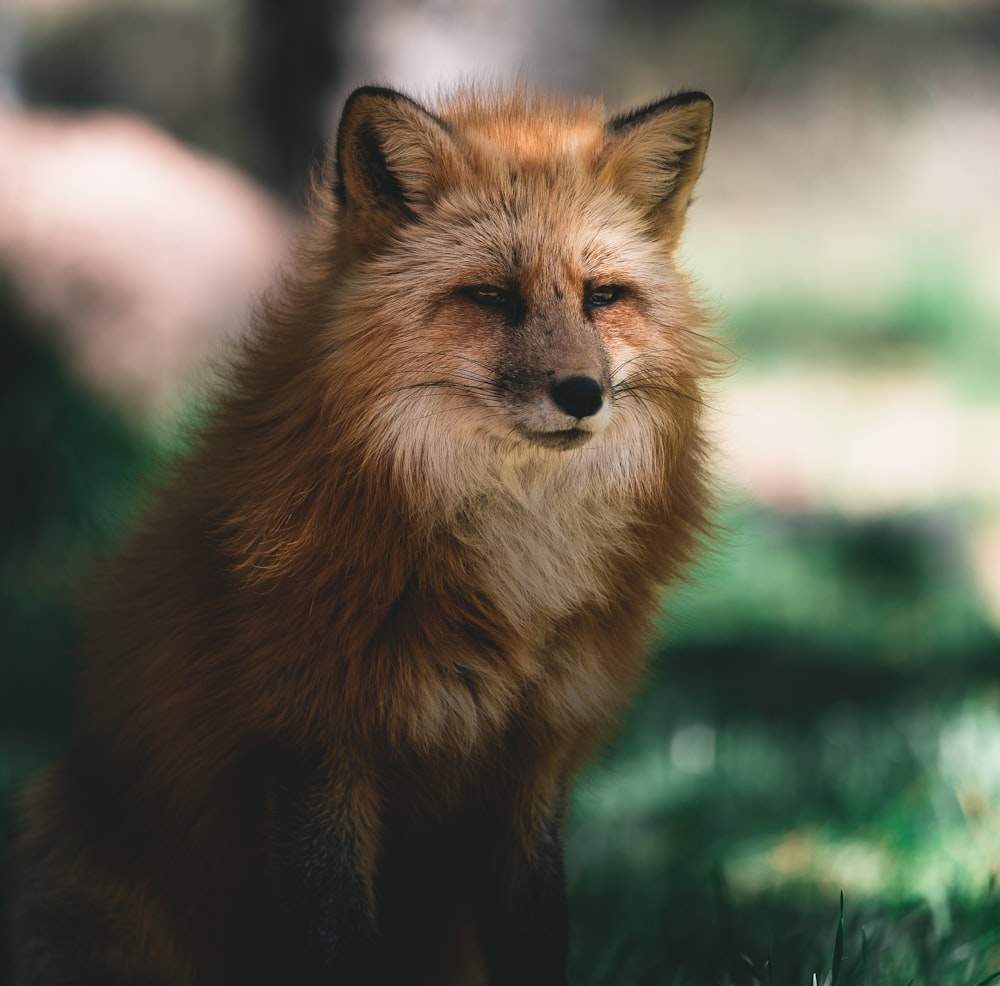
[824, 711]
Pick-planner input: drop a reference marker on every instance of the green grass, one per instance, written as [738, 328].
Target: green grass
[721, 827]
[789, 941]
[826, 719]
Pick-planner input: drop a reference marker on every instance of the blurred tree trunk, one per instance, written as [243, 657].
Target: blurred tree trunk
[292, 65]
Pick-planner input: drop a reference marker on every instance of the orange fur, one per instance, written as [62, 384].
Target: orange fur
[392, 557]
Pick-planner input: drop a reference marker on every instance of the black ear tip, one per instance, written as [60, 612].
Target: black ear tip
[687, 98]
[370, 92]
[678, 100]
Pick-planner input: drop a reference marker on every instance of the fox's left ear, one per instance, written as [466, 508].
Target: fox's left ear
[392, 158]
[655, 154]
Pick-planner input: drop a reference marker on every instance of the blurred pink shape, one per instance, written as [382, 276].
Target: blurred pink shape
[139, 253]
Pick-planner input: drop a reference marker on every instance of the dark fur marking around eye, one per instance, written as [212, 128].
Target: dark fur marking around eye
[603, 295]
[506, 301]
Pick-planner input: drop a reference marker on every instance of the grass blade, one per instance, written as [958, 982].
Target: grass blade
[838, 946]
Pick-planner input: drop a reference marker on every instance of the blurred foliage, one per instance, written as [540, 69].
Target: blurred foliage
[932, 320]
[882, 591]
[69, 466]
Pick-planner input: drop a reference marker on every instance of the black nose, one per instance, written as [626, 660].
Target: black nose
[579, 397]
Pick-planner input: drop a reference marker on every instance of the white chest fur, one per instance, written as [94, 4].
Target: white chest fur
[541, 548]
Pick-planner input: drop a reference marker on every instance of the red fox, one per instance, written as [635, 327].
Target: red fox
[340, 679]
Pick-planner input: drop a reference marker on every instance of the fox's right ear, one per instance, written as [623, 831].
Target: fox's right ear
[393, 158]
[655, 154]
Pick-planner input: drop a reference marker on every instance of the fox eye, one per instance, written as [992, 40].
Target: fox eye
[604, 294]
[487, 295]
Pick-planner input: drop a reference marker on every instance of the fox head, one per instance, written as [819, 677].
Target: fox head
[507, 276]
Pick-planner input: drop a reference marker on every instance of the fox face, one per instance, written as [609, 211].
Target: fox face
[528, 306]
[551, 376]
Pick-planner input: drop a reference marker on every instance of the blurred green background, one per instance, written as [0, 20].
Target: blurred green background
[824, 711]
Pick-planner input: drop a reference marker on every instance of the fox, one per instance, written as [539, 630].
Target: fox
[339, 680]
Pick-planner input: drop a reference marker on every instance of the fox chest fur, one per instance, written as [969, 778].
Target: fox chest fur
[341, 678]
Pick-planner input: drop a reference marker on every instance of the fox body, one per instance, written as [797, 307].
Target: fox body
[340, 679]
